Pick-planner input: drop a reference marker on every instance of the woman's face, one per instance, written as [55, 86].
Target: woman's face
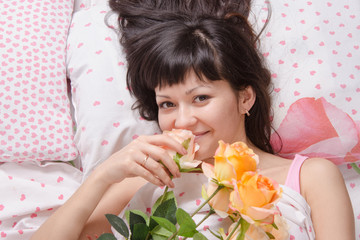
[210, 109]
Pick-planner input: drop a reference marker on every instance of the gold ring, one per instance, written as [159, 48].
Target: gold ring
[144, 162]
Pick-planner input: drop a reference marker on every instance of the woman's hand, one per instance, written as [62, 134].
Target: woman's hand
[141, 158]
[145, 157]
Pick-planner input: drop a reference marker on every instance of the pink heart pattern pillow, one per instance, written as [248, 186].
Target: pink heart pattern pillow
[35, 120]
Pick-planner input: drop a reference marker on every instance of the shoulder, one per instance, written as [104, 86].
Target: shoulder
[316, 165]
[319, 168]
[319, 175]
[323, 187]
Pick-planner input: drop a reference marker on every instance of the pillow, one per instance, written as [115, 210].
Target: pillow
[312, 48]
[85, 4]
[102, 104]
[35, 121]
[81, 4]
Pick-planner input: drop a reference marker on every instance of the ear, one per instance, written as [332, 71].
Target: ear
[247, 99]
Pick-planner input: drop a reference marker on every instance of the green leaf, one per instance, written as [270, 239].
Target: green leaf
[163, 222]
[187, 224]
[118, 224]
[167, 210]
[275, 226]
[176, 158]
[140, 213]
[134, 219]
[140, 231]
[190, 170]
[187, 230]
[186, 143]
[199, 236]
[168, 195]
[183, 217]
[270, 235]
[159, 237]
[355, 167]
[107, 236]
[159, 233]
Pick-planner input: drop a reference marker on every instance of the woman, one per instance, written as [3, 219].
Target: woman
[200, 71]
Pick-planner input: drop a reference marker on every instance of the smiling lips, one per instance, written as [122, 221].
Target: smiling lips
[198, 135]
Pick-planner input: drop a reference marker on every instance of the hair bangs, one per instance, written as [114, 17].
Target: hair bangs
[180, 49]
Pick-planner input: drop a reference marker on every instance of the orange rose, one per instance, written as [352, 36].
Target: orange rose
[254, 197]
[220, 202]
[231, 161]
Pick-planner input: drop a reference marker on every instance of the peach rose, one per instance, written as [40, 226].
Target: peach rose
[253, 232]
[282, 232]
[231, 161]
[187, 139]
[220, 202]
[258, 232]
[254, 197]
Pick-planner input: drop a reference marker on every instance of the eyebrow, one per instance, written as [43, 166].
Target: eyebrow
[187, 92]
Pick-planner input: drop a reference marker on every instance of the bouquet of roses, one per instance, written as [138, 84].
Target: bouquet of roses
[235, 190]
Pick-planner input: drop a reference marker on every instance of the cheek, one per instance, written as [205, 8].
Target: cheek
[165, 122]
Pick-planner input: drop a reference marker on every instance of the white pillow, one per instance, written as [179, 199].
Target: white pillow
[85, 4]
[312, 48]
[102, 103]
[81, 4]
[35, 121]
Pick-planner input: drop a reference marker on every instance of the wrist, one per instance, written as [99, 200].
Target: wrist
[98, 179]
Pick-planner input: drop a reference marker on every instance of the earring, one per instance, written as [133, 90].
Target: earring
[247, 113]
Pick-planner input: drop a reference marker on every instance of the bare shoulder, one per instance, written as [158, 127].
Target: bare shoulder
[313, 165]
[317, 174]
[319, 168]
[323, 187]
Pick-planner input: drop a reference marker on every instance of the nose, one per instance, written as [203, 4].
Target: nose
[185, 118]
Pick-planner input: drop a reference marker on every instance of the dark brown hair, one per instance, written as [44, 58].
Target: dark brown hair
[212, 38]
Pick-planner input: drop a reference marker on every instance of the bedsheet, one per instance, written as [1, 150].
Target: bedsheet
[31, 192]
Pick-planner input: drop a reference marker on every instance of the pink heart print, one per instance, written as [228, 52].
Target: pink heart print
[33, 86]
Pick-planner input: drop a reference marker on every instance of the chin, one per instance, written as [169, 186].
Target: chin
[203, 156]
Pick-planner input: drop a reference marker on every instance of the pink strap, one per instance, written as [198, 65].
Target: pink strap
[293, 177]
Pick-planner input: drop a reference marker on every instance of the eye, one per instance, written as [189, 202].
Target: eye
[201, 98]
[165, 105]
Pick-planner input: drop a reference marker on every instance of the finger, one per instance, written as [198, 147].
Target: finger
[150, 146]
[165, 141]
[161, 155]
[141, 171]
[148, 176]
[158, 170]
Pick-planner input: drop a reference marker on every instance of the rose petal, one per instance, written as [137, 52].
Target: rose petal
[208, 170]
